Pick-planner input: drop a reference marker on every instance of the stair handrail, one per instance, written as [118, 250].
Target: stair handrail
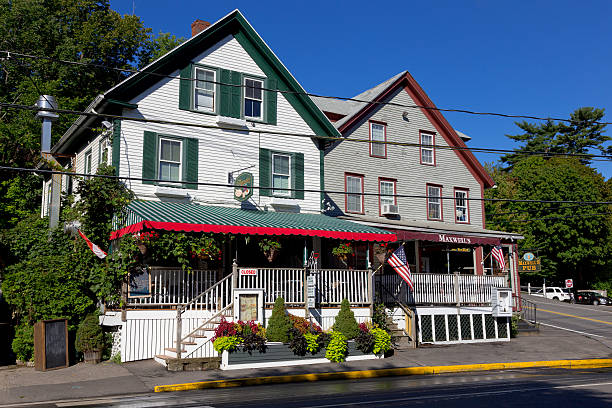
[406, 310]
[220, 312]
[180, 309]
[527, 309]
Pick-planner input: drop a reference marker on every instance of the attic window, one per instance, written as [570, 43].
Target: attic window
[253, 98]
[204, 98]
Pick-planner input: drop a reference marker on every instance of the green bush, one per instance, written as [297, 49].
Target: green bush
[382, 341]
[23, 343]
[379, 318]
[365, 341]
[89, 335]
[229, 343]
[337, 349]
[345, 321]
[514, 325]
[279, 324]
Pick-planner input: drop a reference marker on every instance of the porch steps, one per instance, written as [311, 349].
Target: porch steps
[399, 338]
[188, 364]
[193, 342]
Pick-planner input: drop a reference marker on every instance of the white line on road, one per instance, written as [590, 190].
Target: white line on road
[456, 396]
[575, 331]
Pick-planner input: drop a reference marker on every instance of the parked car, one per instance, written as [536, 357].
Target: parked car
[592, 298]
[553, 292]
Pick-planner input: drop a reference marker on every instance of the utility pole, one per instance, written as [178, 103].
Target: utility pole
[47, 117]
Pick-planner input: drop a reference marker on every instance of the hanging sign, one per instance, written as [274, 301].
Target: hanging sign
[243, 187]
[529, 266]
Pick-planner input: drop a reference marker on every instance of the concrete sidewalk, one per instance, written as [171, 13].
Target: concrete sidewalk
[23, 385]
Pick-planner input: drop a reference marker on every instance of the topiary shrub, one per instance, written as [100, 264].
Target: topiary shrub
[345, 321]
[279, 324]
[89, 335]
[23, 343]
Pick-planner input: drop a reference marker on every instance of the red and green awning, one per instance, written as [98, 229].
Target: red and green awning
[142, 215]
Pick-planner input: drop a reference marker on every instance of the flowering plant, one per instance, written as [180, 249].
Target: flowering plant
[343, 250]
[148, 236]
[206, 248]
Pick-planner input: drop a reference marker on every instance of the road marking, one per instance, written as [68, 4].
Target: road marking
[577, 317]
[575, 331]
[456, 396]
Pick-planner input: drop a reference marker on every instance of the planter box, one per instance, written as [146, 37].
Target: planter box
[280, 355]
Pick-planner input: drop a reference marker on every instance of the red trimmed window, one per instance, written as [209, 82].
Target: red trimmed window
[462, 207]
[378, 133]
[386, 191]
[434, 202]
[428, 151]
[353, 185]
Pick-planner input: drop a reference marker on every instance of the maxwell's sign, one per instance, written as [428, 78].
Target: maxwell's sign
[453, 239]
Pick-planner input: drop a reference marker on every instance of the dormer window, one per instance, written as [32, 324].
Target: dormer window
[253, 99]
[204, 97]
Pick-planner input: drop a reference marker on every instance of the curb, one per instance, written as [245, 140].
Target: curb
[389, 372]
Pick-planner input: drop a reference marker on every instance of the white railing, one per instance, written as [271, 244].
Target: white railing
[277, 282]
[172, 286]
[213, 299]
[334, 285]
[440, 289]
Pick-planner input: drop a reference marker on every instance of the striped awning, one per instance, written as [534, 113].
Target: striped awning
[142, 215]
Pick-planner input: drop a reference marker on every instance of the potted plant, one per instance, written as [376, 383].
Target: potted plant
[343, 251]
[90, 339]
[270, 247]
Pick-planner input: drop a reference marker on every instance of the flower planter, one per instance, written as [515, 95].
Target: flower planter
[93, 357]
[279, 355]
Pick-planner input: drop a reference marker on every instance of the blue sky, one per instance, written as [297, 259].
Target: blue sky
[540, 58]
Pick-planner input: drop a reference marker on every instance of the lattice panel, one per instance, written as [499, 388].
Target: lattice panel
[502, 327]
[440, 324]
[466, 327]
[490, 326]
[477, 326]
[426, 329]
[453, 328]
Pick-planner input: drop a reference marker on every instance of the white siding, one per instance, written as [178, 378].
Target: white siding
[402, 163]
[220, 151]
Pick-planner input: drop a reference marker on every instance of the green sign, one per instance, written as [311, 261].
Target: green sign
[243, 187]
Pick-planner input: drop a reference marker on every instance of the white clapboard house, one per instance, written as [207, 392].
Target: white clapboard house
[426, 179]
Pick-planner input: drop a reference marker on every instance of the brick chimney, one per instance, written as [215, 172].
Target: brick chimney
[198, 26]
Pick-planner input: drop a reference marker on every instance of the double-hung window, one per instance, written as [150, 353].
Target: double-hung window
[354, 196]
[204, 90]
[387, 193]
[253, 98]
[88, 158]
[428, 153]
[461, 206]
[170, 154]
[434, 202]
[281, 174]
[378, 133]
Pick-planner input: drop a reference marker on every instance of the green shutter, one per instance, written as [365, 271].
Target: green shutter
[116, 144]
[149, 157]
[264, 172]
[271, 102]
[185, 87]
[236, 98]
[225, 100]
[190, 169]
[298, 175]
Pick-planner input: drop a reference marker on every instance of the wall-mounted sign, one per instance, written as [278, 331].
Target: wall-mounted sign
[528, 256]
[243, 187]
[529, 266]
[460, 249]
[248, 271]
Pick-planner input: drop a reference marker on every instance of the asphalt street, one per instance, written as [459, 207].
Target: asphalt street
[524, 388]
[589, 320]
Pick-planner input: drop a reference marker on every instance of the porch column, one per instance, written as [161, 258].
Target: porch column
[478, 266]
[417, 255]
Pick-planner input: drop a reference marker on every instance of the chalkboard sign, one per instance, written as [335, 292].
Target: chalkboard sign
[51, 344]
[139, 283]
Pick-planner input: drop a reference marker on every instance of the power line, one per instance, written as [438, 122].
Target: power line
[529, 211]
[135, 71]
[210, 184]
[593, 157]
[563, 217]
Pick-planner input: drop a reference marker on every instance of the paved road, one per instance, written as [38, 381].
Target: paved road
[525, 388]
[592, 321]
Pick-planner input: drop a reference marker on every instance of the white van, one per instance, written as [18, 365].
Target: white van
[554, 292]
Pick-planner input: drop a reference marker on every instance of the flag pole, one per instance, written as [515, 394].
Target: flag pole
[386, 258]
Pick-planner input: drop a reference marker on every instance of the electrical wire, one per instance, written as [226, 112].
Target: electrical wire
[210, 184]
[136, 71]
[557, 208]
[593, 157]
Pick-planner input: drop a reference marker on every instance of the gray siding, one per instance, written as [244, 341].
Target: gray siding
[403, 164]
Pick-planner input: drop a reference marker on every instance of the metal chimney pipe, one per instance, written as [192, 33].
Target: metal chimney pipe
[47, 117]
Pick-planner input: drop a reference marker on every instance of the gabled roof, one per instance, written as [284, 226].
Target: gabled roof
[232, 24]
[359, 111]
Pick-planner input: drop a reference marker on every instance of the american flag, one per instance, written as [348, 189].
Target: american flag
[498, 254]
[398, 261]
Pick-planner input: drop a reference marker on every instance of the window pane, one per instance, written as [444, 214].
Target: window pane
[205, 79]
[170, 150]
[353, 201]
[281, 164]
[204, 99]
[433, 202]
[378, 149]
[426, 139]
[386, 193]
[461, 206]
[169, 171]
[252, 108]
[278, 182]
[378, 132]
